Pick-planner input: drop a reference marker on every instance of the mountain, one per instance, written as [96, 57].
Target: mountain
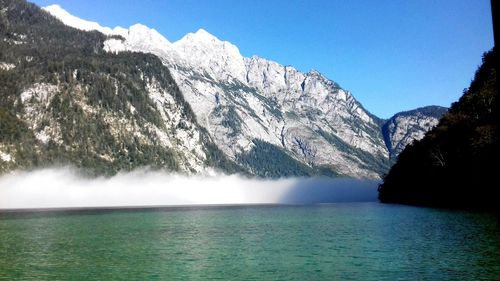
[407, 126]
[198, 100]
[64, 100]
[455, 164]
[245, 101]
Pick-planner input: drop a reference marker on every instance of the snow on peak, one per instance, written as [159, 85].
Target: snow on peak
[199, 50]
[70, 20]
[221, 59]
[202, 34]
[139, 34]
[256, 58]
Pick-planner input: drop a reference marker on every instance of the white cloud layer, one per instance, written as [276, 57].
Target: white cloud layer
[64, 188]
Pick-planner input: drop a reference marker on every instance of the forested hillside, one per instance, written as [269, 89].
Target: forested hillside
[66, 101]
[455, 164]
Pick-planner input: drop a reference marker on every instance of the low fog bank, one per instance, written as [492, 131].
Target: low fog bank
[328, 190]
[64, 188]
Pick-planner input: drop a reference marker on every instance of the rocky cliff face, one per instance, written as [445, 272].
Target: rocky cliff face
[252, 109]
[405, 127]
[240, 100]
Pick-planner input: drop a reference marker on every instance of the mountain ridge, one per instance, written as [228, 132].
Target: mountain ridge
[249, 104]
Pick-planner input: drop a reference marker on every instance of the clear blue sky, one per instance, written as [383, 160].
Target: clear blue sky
[393, 55]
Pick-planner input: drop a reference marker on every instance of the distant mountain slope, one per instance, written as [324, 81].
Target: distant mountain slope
[246, 101]
[455, 164]
[407, 126]
[64, 100]
[243, 100]
[121, 98]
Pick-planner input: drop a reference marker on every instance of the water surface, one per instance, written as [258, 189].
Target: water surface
[345, 241]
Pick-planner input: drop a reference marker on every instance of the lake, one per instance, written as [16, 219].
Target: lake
[343, 241]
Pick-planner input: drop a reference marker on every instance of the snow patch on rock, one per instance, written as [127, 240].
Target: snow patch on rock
[7, 66]
[36, 101]
[6, 157]
[70, 20]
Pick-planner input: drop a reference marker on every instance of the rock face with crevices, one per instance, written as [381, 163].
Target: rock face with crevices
[197, 100]
[241, 101]
[405, 127]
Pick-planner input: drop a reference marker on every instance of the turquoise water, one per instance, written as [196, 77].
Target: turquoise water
[348, 241]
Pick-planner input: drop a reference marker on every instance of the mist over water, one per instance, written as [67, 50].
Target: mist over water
[65, 188]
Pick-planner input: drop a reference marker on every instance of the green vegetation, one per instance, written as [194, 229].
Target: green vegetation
[216, 158]
[229, 119]
[379, 164]
[268, 160]
[45, 51]
[455, 165]
[292, 115]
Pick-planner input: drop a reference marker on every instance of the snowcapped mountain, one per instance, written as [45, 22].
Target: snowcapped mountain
[76, 22]
[67, 101]
[255, 110]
